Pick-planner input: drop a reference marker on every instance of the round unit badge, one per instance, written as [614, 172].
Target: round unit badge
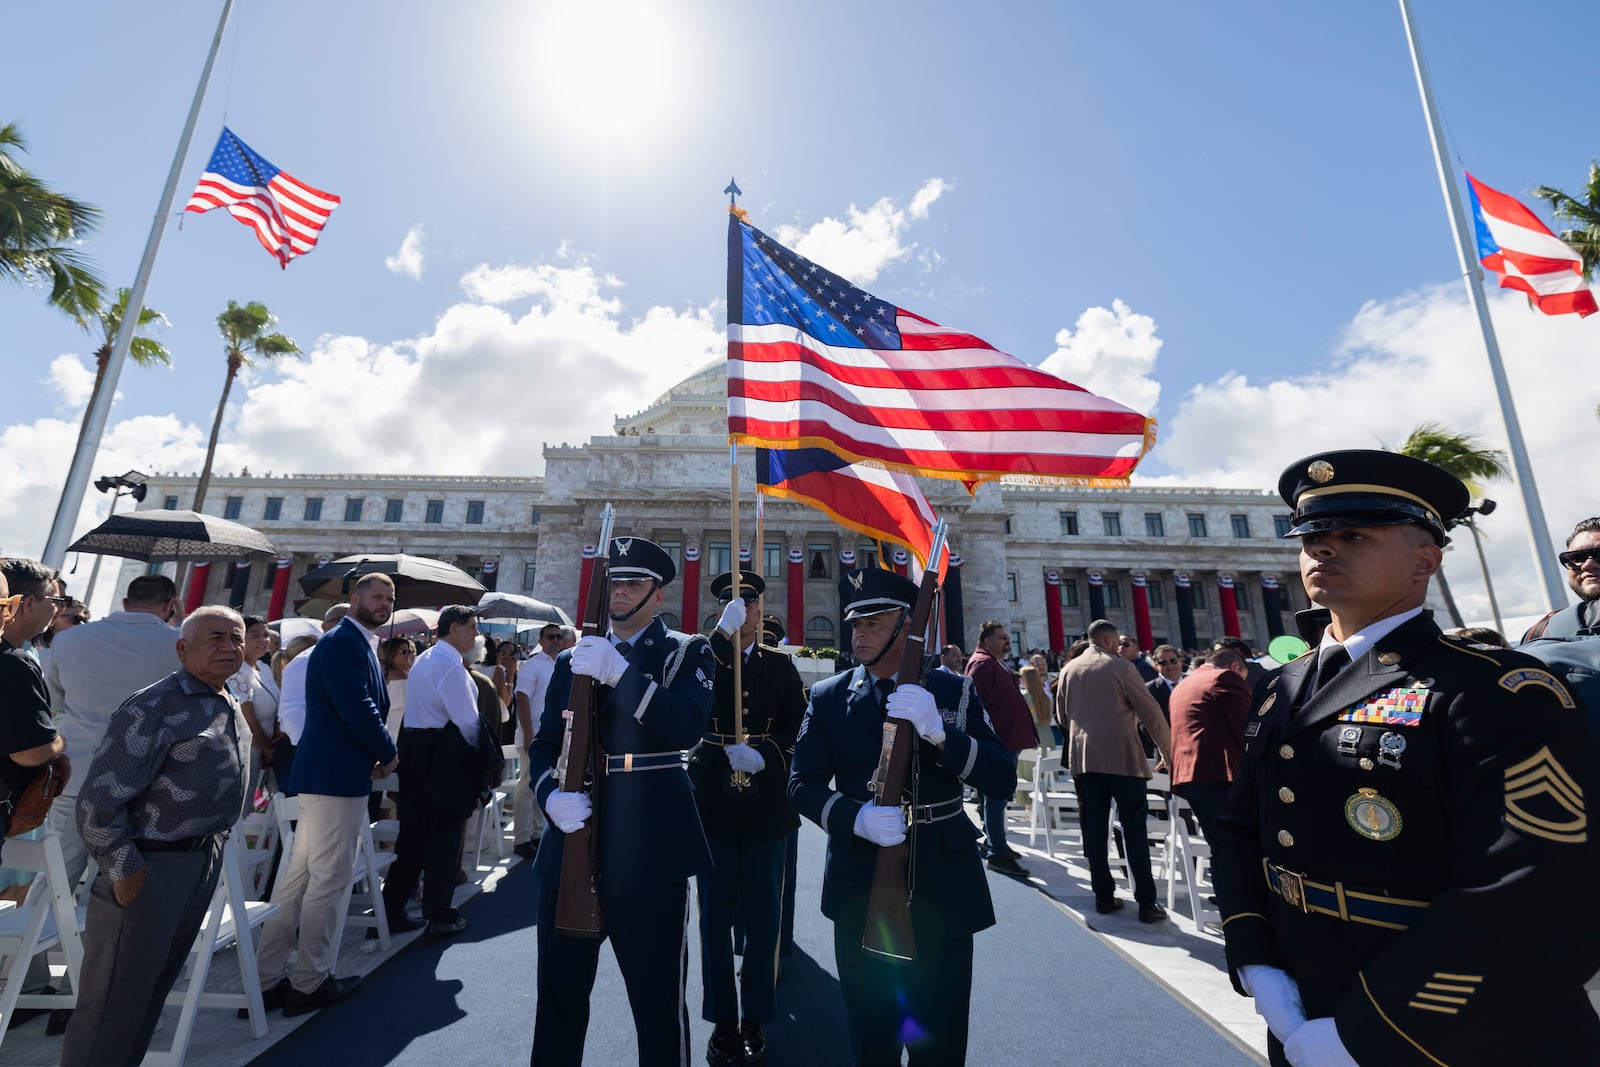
[1321, 472]
[1372, 816]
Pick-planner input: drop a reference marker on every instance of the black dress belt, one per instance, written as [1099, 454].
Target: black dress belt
[182, 844]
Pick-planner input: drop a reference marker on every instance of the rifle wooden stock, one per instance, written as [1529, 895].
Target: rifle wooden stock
[888, 931]
[577, 896]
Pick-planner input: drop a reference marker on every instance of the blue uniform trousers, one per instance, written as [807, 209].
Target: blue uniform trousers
[923, 1008]
[751, 874]
[649, 933]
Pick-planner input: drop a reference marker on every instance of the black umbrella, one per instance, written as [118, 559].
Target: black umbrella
[419, 582]
[171, 535]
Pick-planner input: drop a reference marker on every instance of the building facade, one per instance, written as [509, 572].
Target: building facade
[1180, 551]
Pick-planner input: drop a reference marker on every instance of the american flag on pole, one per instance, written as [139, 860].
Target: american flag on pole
[1514, 244]
[884, 505]
[815, 362]
[287, 215]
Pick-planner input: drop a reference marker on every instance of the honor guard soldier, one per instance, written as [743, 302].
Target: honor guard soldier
[655, 697]
[920, 1005]
[747, 821]
[1408, 846]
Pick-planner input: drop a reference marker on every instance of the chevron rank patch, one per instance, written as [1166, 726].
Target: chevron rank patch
[1543, 800]
[1522, 677]
[700, 673]
[1400, 706]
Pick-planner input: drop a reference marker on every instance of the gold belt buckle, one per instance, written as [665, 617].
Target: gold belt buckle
[1292, 888]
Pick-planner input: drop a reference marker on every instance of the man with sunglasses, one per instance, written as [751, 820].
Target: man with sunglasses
[1568, 639]
[28, 740]
[533, 680]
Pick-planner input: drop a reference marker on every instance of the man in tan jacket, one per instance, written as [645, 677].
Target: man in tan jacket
[1100, 701]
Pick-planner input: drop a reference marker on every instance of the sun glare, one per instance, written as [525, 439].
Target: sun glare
[606, 75]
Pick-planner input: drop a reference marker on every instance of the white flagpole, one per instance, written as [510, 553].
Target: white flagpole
[1544, 553]
[55, 549]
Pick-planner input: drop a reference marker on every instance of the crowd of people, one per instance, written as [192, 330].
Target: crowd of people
[707, 751]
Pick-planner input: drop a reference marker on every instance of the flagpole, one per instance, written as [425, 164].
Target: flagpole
[1544, 554]
[55, 549]
[741, 780]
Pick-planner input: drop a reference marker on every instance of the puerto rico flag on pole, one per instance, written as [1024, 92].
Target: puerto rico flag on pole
[884, 505]
[815, 362]
[1514, 244]
[287, 215]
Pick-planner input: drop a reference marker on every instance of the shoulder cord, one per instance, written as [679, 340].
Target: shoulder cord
[675, 661]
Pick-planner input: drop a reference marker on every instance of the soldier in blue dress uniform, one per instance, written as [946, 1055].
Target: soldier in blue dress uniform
[655, 694]
[747, 826]
[921, 1006]
[1407, 845]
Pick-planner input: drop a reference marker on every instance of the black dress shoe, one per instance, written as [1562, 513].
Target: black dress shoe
[1151, 913]
[330, 992]
[755, 1043]
[401, 923]
[439, 929]
[1006, 863]
[272, 998]
[1106, 905]
[725, 1047]
[57, 1023]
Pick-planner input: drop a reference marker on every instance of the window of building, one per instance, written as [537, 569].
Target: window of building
[1069, 523]
[1281, 525]
[669, 620]
[394, 510]
[474, 513]
[155, 568]
[1008, 526]
[352, 509]
[529, 572]
[274, 509]
[1113, 593]
[1240, 524]
[709, 623]
[821, 561]
[674, 549]
[819, 631]
[434, 512]
[1197, 526]
[1011, 586]
[1241, 596]
[533, 517]
[867, 556]
[313, 509]
[772, 559]
[170, 504]
[1153, 526]
[1111, 523]
[1155, 594]
[718, 558]
[1069, 592]
[232, 507]
[269, 575]
[1202, 599]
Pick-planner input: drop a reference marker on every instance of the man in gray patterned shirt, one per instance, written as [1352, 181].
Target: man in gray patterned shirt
[166, 785]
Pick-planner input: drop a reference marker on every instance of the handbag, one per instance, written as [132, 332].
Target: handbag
[31, 807]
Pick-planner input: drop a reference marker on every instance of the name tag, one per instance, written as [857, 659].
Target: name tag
[1401, 706]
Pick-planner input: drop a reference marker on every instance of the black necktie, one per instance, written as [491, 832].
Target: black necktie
[884, 686]
[1329, 662]
[624, 647]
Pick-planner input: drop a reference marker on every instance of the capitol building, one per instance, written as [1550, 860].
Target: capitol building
[1161, 560]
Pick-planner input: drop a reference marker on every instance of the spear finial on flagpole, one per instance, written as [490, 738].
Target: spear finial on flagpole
[734, 191]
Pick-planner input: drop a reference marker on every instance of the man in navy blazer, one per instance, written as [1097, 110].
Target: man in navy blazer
[342, 748]
[653, 701]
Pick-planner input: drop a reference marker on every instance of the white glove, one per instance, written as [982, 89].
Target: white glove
[732, 617]
[1277, 998]
[1317, 1044]
[882, 826]
[746, 759]
[599, 659]
[915, 705]
[568, 811]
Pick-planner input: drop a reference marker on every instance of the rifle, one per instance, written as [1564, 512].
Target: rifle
[577, 898]
[888, 933]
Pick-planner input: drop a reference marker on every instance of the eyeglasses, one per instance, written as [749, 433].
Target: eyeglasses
[58, 601]
[1167, 662]
[748, 598]
[1575, 559]
[74, 620]
[1124, 644]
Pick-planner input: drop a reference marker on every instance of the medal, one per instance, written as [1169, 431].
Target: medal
[1372, 816]
[1390, 745]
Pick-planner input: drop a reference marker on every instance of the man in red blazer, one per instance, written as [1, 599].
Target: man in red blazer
[1209, 709]
[997, 687]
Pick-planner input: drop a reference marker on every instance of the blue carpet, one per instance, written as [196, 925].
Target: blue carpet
[1045, 991]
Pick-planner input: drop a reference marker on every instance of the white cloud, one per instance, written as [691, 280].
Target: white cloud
[1112, 353]
[408, 260]
[865, 243]
[72, 381]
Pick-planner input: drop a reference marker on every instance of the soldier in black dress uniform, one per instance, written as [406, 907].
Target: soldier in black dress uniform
[1407, 847]
[746, 825]
[922, 1005]
[654, 700]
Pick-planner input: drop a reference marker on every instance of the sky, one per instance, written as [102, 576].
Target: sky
[1224, 215]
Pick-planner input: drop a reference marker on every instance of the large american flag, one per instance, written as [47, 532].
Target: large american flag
[287, 215]
[814, 361]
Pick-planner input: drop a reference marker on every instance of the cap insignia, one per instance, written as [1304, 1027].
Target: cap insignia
[1320, 472]
[623, 544]
[856, 579]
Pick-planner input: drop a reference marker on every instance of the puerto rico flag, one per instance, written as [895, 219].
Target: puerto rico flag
[1514, 244]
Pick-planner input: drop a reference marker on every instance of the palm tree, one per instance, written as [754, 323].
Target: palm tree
[244, 331]
[1584, 215]
[144, 351]
[1463, 455]
[38, 230]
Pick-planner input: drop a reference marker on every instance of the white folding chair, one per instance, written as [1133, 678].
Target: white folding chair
[364, 876]
[1054, 804]
[257, 835]
[48, 921]
[1193, 854]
